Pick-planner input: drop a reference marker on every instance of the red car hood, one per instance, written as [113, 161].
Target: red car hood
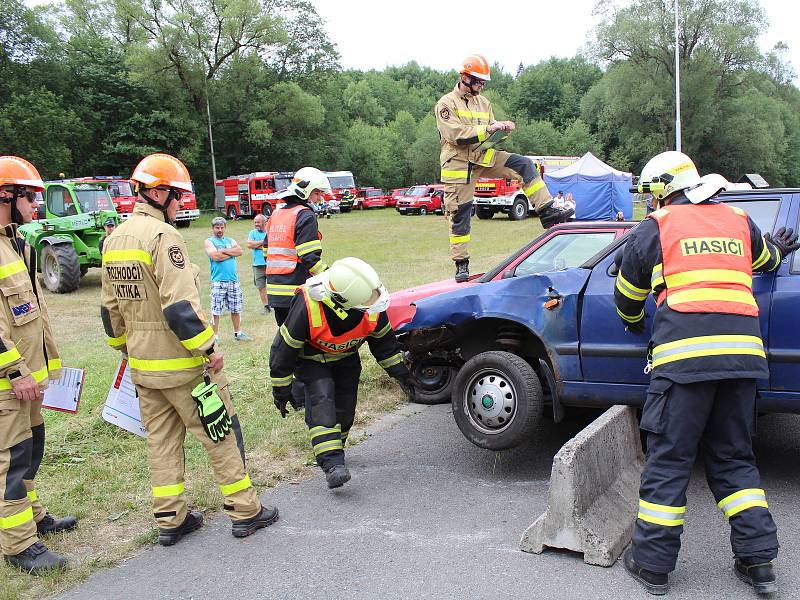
[400, 310]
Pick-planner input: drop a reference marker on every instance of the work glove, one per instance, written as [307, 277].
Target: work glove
[212, 412]
[406, 383]
[635, 328]
[785, 241]
[281, 396]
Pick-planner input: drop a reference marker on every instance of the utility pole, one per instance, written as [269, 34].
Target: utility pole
[677, 86]
[211, 141]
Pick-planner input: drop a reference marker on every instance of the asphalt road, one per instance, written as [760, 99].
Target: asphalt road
[429, 515]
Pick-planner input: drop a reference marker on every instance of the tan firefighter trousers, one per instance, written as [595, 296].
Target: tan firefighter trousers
[167, 414]
[458, 198]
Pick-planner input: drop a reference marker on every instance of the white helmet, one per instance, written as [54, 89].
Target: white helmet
[350, 283]
[667, 173]
[306, 180]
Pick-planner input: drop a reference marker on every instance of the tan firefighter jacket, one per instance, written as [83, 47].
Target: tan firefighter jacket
[27, 346]
[151, 303]
[462, 120]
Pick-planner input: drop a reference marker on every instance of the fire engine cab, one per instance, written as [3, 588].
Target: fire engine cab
[247, 195]
[506, 196]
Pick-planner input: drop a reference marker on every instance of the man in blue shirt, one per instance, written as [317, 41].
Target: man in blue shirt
[255, 241]
[225, 289]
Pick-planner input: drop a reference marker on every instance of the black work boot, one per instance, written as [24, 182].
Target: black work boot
[655, 583]
[462, 270]
[37, 559]
[267, 516]
[337, 476]
[550, 215]
[192, 522]
[760, 576]
[49, 524]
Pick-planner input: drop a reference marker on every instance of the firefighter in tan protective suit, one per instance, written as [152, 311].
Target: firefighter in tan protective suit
[468, 135]
[151, 311]
[28, 359]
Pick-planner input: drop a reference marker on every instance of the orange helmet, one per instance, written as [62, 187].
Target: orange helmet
[476, 66]
[18, 171]
[162, 169]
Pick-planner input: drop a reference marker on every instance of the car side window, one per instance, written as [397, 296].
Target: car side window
[795, 258]
[563, 251]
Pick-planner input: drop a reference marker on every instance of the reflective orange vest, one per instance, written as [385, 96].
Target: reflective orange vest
[708, 260]
[321, 336]
[281, 255]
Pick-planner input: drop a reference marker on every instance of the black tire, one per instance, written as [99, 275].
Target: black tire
[266, 209]
[183, 224]
[84, 270]
[345, 210]
[423, 211]
[519, 210]
[433, 384]
[484, 213]
[232, 213]
[511, 404]
[61, 270]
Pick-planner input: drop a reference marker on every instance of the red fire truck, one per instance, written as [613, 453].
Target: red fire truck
[505, 195]
[124, 197]
[247, 195]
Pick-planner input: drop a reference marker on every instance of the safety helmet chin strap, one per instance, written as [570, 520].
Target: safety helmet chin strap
[471, 84]
[16, 216]
[162, 207]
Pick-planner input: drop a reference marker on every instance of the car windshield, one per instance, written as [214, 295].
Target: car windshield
[92, 198]
[120, 188]
[563, 251]
[419, 190]
[341, 181]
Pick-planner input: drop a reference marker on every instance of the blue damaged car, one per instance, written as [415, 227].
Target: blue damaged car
[526, 344]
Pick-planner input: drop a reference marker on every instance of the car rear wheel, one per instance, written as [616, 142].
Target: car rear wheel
[497, 400]
[484, 213]
[423, 211]
[519, 210]
[433, 383]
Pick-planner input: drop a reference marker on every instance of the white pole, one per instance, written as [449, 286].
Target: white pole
[677, 86]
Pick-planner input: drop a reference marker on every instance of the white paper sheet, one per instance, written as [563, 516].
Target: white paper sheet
[122, 403]
[64, 394]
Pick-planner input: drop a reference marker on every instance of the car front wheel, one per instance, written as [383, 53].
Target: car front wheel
[497, 400]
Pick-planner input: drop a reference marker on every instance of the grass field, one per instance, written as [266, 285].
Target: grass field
[98, 472]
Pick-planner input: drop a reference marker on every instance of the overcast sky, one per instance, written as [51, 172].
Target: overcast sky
[373, 35]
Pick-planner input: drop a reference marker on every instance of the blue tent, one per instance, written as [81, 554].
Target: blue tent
[599, 191]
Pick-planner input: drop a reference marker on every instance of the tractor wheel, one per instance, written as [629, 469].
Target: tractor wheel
[61, 269]
[84, 270]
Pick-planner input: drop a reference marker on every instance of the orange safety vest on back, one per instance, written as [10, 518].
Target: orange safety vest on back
[322, 338]
[281, 255]
[707, 258]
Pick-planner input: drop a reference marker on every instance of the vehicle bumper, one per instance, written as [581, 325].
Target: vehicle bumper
[187, 215]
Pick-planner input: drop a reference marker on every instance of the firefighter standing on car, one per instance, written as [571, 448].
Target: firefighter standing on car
[697, 256]
[151, 312]
[293, 246]
[28, 359]
[466, 121]
[330, 317]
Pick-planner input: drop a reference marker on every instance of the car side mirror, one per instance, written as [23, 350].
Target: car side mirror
[508, 274]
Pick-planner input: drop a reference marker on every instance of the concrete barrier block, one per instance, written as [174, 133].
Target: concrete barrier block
[594, 491]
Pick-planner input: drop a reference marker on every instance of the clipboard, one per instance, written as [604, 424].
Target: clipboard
[64, 394]
[122, 402]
